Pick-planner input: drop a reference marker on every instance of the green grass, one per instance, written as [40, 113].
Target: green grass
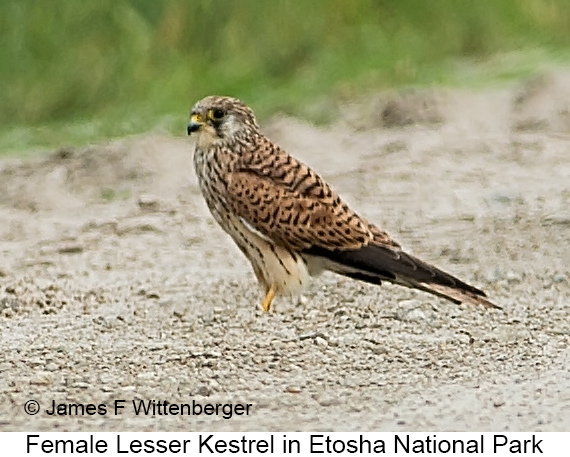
[77, 72]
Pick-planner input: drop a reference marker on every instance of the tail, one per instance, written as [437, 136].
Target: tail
[375, 263]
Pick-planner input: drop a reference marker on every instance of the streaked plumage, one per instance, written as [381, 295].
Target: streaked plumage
[287, 220]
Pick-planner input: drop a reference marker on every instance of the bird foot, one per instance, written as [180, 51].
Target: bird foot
[269, 296]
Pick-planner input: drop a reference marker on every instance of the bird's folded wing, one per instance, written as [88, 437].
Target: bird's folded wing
[293, 218]
[297, 209]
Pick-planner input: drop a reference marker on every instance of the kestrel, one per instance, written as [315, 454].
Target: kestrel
[288, 221]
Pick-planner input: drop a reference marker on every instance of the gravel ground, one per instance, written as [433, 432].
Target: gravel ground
[116, 284]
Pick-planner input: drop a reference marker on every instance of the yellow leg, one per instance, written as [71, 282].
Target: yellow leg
[269, 296]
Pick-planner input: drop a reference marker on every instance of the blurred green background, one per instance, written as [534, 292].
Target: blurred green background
[75, 71]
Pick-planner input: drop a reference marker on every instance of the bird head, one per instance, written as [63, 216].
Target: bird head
[217, 120]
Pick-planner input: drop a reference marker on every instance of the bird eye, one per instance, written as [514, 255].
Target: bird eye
[216, 114]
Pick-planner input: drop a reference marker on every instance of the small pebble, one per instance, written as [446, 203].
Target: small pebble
[148, 202]
[41, 378]
[321, 342]
[204, 391]
[71, 249]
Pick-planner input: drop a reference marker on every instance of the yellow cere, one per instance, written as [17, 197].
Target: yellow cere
[196, 118]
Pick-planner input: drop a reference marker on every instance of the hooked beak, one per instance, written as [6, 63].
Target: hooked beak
[195, 123]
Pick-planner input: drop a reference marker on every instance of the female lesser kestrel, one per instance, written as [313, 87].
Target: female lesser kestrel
[287, 220]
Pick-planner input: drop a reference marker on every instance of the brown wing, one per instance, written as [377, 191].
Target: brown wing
[285, 200]
[288, 202]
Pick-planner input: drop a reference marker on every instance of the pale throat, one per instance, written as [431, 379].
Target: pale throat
[206, 138]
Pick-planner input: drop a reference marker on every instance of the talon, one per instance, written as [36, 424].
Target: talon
[266, 305]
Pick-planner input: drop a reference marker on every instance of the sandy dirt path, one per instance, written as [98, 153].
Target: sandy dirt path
[116, 284]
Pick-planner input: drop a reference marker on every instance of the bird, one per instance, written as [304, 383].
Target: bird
[288, 221]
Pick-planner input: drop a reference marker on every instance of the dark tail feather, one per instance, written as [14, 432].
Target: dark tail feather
[376, 263]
